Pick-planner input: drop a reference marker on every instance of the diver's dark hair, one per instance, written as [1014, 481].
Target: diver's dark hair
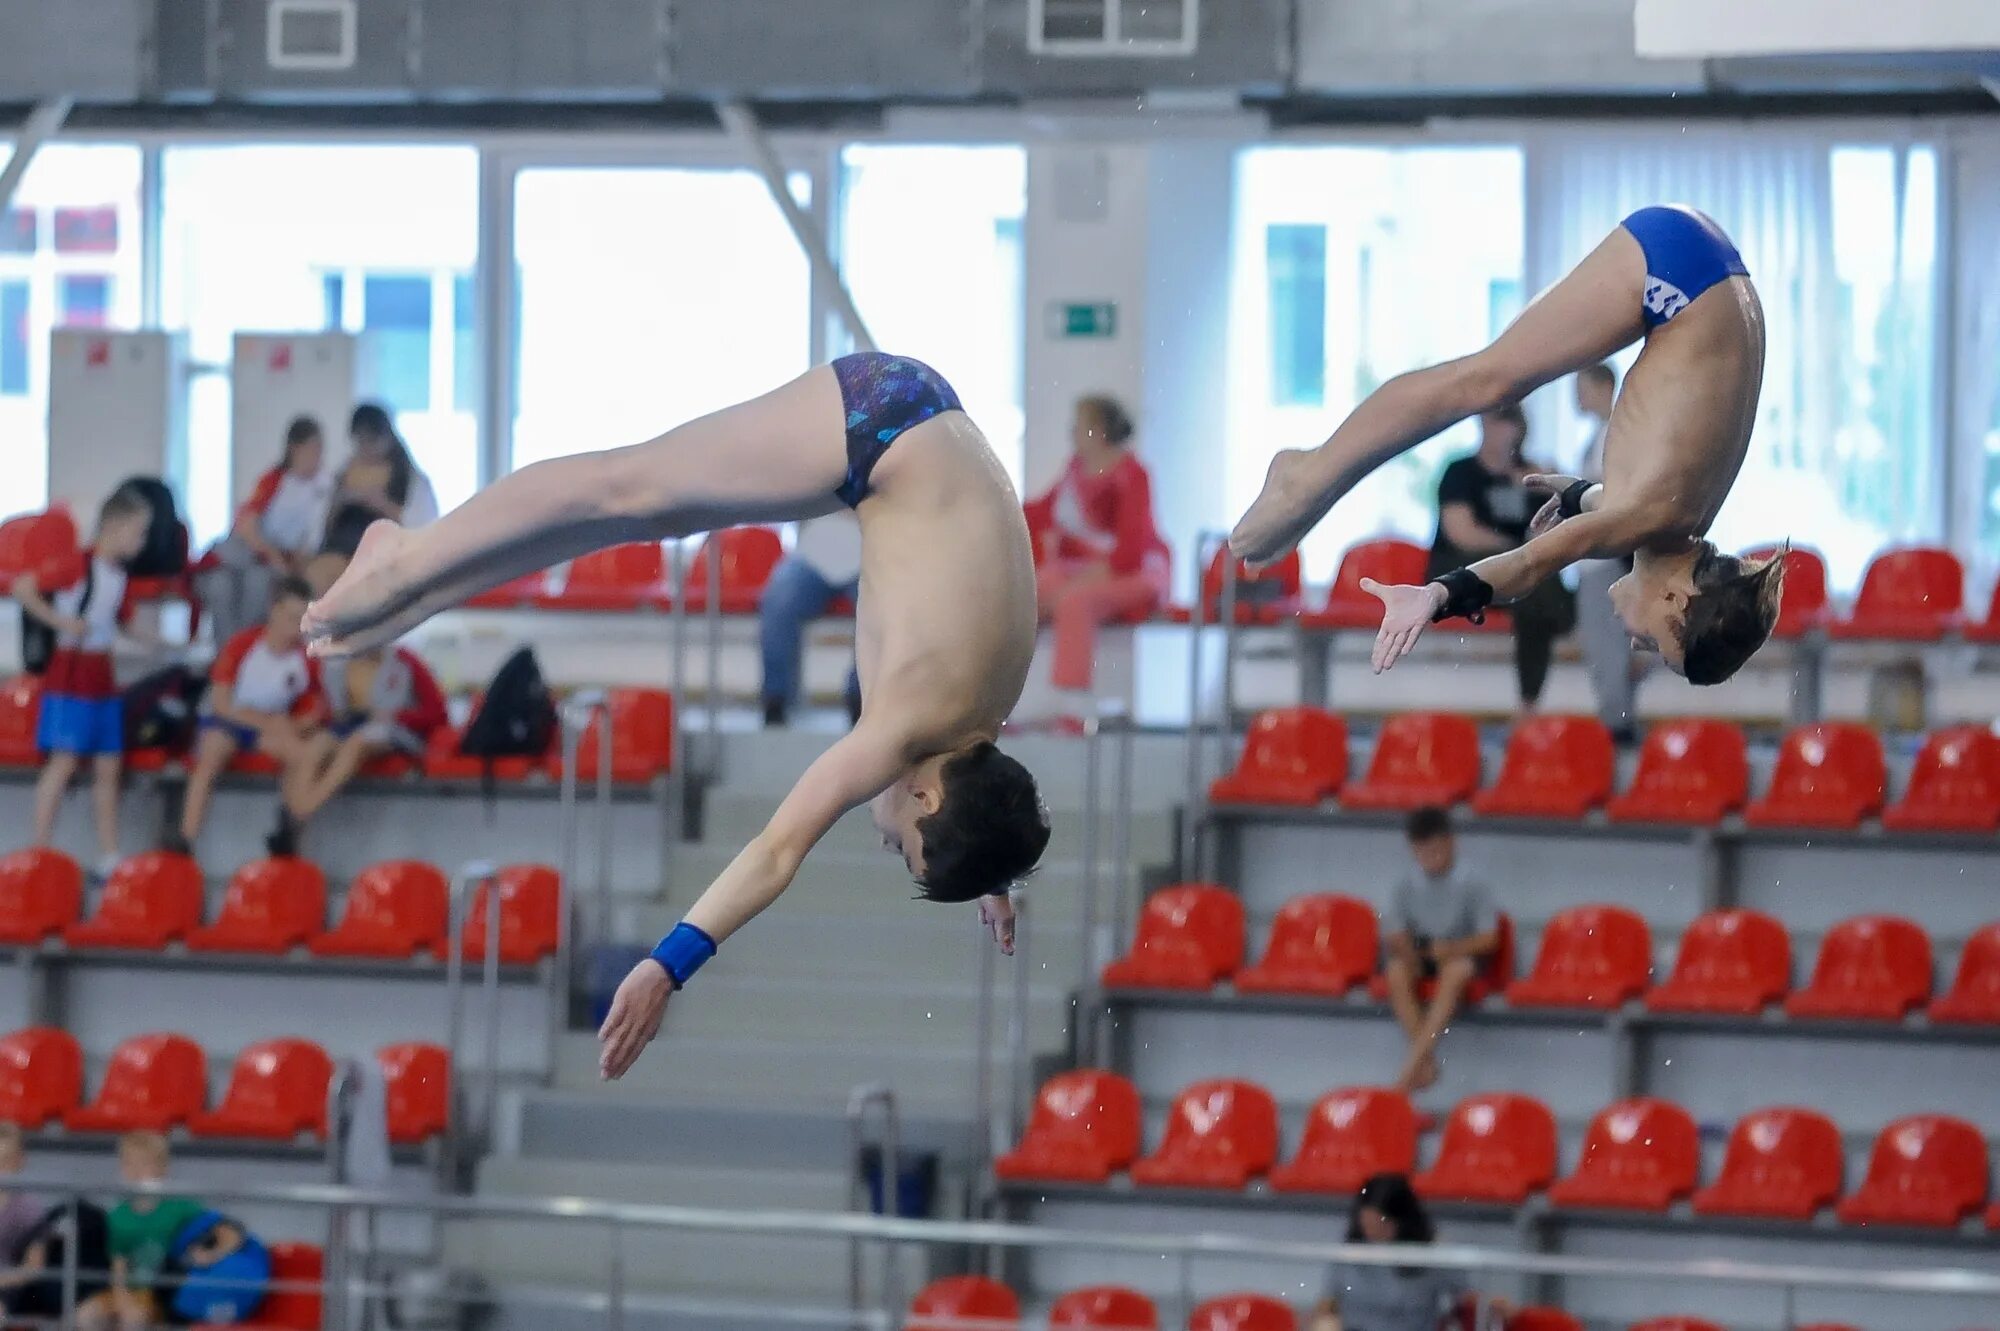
[1392, 1195]
[1112, 418]
[1427, 824]
[989, 830]
[1734, 607]
[291, 587]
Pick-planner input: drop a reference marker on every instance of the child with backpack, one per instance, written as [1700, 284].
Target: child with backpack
[74, 609]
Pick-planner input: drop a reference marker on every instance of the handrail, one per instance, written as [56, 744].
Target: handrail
[891, 1160]
[464, 886]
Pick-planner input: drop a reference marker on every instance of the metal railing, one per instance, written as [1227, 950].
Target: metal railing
[890, 1159]
[465, 885]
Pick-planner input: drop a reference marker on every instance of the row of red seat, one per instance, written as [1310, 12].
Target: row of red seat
[1831, 774]
[277, 1088]
[1640, 1154]
[1191, 936]
[395, 909]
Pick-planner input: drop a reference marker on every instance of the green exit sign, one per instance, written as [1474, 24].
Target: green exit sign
[1082, 319]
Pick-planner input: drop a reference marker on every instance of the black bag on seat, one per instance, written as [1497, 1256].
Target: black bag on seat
[162, 710]
[517, 718]
[38, 640]
[166, 551]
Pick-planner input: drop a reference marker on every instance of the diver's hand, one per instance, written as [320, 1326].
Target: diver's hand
[1550, 515]
[636, 1012]
[997, 914]
[1406, 613]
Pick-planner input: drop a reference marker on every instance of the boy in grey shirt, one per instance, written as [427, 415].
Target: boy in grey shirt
[1443, 925]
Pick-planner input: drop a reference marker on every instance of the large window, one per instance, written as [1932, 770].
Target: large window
[378, 240]
[1352, 265]
[648, 296]
[69, 255]
[918, 220]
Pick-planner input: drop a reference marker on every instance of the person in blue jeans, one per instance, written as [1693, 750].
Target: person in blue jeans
[824, 565]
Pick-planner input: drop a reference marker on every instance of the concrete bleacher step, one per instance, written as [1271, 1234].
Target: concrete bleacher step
[758, 1005]
[732, 815]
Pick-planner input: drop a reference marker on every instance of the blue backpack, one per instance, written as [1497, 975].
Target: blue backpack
[211, 1288]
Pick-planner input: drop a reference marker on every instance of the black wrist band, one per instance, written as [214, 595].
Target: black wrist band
[1570, 502]
[1465, 593]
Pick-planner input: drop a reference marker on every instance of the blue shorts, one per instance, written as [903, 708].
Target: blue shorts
[245, 736]
[884, 396]
[86, 726]
[1686, 254]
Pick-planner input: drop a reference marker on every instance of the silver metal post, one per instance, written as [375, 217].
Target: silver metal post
[454, 1022]
[1791, 1318]
[1123, 879]
[711, 747]
[859, 1102]
[983, 1146]
[1185, 1291]
[489, 986]
[1190, 827]
[604, 810]
[1019, 1088]
[614, 1319]
[44, 122]
[74, 1201]
[575, 716]
[1093, 810]
[677, 624]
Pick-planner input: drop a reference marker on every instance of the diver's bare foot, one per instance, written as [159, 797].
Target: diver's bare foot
[1289, 505]
[367, 593]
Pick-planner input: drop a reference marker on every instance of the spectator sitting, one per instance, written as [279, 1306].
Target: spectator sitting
[263, 695]
[142, 1233]
[379, 481]
[1098, 554]
[1391, 1298]
[381, 701]
[83, 599]
[277, 530]
[826, 563]
[20, 1214]
[1445, 926]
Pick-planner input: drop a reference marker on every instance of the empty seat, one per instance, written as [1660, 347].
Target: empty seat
[1640, 1154]
[1802, 606]
[1320, 944]
[418, 1085]
[31, 540]
[271, 906]
[1292, 755]
[963, 1303]
[20, 710]
[530, 915]
[1691, 771]
[1494, 975]
[1496, 1148]
[1104, 1308]
[632, 576]
[294, 1303]
[149, 900]
[1781, 1164]
[1675, 1324]
[41, 891]
[1264, 597]
[1220, 1134]
[1084, 1127]
[1871, 968]
[513, 594]
[747, 556]
[1828, 775]
[1421, 758]
[1351, 1136]
[1389, 561]
[1591, 957]
[1731, 961]
[1954, 785]
[1555, 767]
[1987, 629]
[1926, 1170]
[1190, 936]
[443, 761]
[642, 738]
[1917, 593]
[395, 909]
[1242, 1312]
[41, 1076]
[155, 1082]
[1975, 991]
[277, 1090]
[1542, 1319]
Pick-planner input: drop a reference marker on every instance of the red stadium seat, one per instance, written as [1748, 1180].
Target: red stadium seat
[1675, 1324]
[1975, 993]
[1387, 561]
[1542, 1319]
[1907, 594]
[642, 738]
[1591, 957]
[1689, 772]
[632, 576]
[1640, 1154]
[443, 761]
[748, 555]
[1493, 977]
[1292, 755]
[1782, 1164]
[530, 915]
[1320, 944]
[271, 906]
[1242, 1312]
[41, 891]
[1954, 786]
[1104, 1308]
[1736, 962]
[963, 1303]
[1870, 968]
[1190, 937]
[1987, 629]
[1555, 767]
[1828, 775]
[1084, 1127]
[1421, 758]
[155, 1082]
[149, 900]
[1926, 1170]
[1351, 1136]
[395, 909]
[1220, 1134]
[298, 1273]
[20, 709]
[514, 594]
[1804, 603]
[418, 1080]
[32, 539]
[277, 1090]
[1261, 598]
[41, 1076]
[1496, 1148]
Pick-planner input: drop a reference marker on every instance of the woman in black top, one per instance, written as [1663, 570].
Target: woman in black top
[380, 480]
[1483, 508]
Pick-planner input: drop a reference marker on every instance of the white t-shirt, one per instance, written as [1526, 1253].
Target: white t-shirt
[261, 680]
[291, 510]
[420, 505]
[107, 600]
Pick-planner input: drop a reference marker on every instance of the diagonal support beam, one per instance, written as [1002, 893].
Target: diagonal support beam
[741, 123]
[44, 122]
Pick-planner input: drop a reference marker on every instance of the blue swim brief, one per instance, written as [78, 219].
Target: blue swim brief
[1686, 254]
[884, 396]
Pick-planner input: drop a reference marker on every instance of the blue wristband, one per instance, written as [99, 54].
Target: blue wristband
[684, 951]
